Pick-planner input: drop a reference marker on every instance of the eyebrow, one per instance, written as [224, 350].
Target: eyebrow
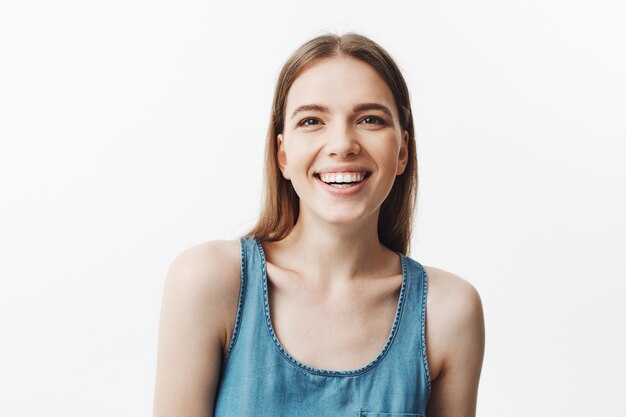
[357, 108]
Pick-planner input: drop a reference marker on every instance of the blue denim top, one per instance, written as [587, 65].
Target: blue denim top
[260, 378]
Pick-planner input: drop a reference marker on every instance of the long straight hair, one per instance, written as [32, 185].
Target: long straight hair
[281, 204]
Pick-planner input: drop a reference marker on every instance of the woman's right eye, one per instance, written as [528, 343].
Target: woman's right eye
[305, 122]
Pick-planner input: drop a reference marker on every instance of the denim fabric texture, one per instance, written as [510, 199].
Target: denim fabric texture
[260, 378]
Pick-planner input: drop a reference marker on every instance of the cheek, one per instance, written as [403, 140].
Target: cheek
[296, 168]
[297, 163]
[388, 152]
[301, 158]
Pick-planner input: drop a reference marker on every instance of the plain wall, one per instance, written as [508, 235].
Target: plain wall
[133, 129]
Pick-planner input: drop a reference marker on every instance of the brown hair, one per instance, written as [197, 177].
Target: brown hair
[281, 204]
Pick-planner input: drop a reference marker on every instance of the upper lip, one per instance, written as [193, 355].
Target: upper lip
[342, 168]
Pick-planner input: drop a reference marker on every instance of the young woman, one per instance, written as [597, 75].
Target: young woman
[319, 311]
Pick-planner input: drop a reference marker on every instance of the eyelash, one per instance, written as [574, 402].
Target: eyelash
[378, 120]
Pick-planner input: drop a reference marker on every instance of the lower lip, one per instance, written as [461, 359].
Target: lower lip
[343, 191]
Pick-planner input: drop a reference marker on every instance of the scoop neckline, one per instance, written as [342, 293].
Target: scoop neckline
[328, 372]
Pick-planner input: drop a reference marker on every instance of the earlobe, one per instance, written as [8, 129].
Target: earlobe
[403, 156]
[280, 153]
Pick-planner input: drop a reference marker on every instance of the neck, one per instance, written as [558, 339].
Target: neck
[336, 253]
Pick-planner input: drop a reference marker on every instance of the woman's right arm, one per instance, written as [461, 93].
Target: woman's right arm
[198, 310]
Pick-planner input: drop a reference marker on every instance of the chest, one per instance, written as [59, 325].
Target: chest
[339, 330]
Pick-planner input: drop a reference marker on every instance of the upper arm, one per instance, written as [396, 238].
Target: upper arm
[201, 290]
[456, 341]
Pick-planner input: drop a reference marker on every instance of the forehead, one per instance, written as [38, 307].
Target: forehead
[338, 82]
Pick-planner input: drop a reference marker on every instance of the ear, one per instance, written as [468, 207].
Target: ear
[282, 157]
[403, 155]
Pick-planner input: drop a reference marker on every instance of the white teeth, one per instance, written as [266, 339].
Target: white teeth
[342, 177]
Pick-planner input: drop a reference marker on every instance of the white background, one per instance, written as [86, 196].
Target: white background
[132, 129]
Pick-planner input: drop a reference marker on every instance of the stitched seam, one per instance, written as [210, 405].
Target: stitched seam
[242, 292]
[423, 319]
[325, 372]
[266, 308]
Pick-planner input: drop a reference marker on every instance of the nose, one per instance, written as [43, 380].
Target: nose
[342, 141]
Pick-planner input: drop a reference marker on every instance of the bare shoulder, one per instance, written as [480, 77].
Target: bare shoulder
[449, 291]
[207, 275]
[211, 265]
[454, 314]
[198, 308]
[208, 254]
[455, 344]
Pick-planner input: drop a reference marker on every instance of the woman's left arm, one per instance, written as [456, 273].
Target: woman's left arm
[456, 342]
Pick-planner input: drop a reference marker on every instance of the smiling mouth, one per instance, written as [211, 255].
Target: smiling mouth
[342, 179]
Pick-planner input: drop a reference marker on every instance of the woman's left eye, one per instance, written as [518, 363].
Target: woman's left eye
[373, 120]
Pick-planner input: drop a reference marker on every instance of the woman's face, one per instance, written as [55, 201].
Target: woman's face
[342, 145]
